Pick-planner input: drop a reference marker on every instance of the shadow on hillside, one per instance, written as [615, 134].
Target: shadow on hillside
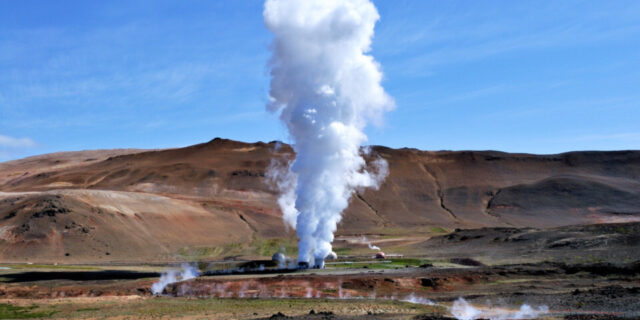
[76, 276]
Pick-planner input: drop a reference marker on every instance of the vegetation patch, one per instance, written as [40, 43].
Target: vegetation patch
[8, 311]
[342, 251]
[21, 266]
[200, 252]
[439, 230]
[87, 309]
[380, 264]
[225, 308]
[267, 247]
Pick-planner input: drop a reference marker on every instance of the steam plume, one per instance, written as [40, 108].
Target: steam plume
[172, 276]
[462, 310]
[412, 298]
[326, 89]
[371, 246]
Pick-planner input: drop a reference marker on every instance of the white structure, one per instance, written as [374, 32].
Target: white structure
[331, 256]
[279, 257]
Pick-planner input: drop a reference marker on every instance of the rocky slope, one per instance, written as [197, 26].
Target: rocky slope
[125, 205]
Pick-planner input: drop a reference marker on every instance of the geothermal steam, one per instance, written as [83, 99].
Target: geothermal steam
[173, 276]
[368, 243]
[462, 310]
[326, 88]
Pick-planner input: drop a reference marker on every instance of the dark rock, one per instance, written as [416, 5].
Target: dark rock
[466, 262]
[10, 215]
[279, 315]
[427, 282]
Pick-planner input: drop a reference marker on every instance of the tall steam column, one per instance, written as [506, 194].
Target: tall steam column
[326, 89]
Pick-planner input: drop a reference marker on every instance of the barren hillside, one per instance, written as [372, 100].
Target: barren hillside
[126, 205]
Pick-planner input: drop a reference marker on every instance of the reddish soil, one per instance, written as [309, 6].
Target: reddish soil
[589, 289]
[133, 205]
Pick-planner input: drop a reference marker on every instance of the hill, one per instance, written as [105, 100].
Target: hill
[209, 199]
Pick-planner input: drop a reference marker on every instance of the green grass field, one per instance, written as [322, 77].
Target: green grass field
[379, 264]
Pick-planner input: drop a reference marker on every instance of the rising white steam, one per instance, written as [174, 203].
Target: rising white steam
[188, 272]
[371, 246]
[326, 88]
[285, 181]
[412, 298]
[462, 310]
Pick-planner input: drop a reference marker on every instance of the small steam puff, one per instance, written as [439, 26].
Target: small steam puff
[418, 300]
[462, 310]
[326, 90]
[372, 247]
[172, 276]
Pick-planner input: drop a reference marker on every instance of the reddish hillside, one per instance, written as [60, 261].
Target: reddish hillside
[152, 204]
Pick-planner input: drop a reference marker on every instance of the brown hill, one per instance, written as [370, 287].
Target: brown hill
[128, 205]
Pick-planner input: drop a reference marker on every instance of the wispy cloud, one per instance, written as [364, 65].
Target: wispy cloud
[111, 73]
[557, 37]
[461, 37]
[11, 142]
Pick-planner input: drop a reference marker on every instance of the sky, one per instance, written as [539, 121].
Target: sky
[515, 76]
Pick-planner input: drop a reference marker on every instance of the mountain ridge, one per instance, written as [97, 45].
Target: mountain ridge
[210, 188]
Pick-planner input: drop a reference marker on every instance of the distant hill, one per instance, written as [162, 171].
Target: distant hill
[126, 205]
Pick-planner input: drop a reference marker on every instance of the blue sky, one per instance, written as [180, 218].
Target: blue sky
[518, 76]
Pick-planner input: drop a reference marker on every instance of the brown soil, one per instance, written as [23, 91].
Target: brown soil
[590, 271]
[134, 205]
[587, 290]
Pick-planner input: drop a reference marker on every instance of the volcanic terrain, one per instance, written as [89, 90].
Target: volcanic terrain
[156, 205]
[86, 234]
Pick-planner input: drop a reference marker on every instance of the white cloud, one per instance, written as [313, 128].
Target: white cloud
[11, 142]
